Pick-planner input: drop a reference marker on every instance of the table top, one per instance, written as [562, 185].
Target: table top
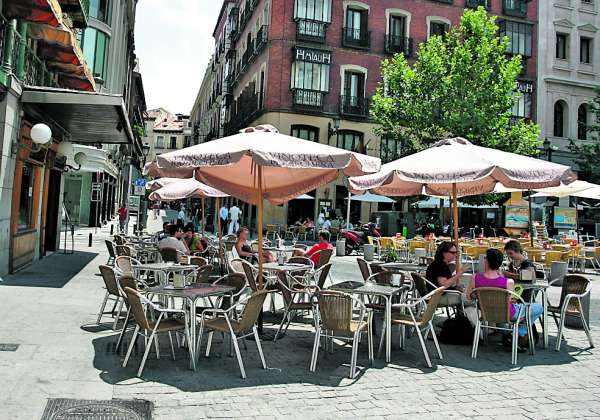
[165, 267]
[285, 267]
[193, 291]
[367, 288]
[401, 266]
[538, 285]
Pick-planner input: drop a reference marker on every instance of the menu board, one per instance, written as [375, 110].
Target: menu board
[565, 217]
[516, 217]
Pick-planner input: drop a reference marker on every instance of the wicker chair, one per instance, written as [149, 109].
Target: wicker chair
[169, 255]
[324, 257]
[196, 260]
[235, 266]
[123, 282]
[292, 291]
[420, 317]
[112, 292]
[494, 309]
[574, 288]
[364, 268]
[222, 320]
[336, 316]
[150, 329]
[125, 250]
[203, 274]
[235, 280]
[119, 239]
[112, 253]
[124, 265]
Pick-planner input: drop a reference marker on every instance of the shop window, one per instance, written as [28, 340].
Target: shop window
[26, 197]
[306, 132]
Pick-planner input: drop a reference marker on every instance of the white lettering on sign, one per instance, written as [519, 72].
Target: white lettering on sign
[314, 56]
[524, 87]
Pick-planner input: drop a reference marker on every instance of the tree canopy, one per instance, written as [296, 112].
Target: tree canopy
[461, 84]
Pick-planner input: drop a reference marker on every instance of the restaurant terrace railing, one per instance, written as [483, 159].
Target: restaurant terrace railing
[356, 38]
[399, 45]
[311, 30]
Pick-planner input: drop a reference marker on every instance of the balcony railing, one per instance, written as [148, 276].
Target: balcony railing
[311, 30]
[261, 39]
[354, 106]
[308, 99]
[514, 7]
[246, 110]
[474, 4]
[399, 45]
[356, 38]
[247, 56]
[445, 1]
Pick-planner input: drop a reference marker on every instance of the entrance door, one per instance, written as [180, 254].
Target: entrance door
[52, 209]
[73, 198]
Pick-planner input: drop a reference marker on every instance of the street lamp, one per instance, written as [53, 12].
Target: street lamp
[145, 151]
[333, 128]
[549, 149]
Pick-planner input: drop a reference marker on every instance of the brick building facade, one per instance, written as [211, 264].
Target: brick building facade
[310, 67]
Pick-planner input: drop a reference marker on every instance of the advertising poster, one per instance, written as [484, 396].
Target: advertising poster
[565, 217]
[517, 217]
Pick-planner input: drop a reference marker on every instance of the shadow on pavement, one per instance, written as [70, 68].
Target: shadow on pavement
[54, 271]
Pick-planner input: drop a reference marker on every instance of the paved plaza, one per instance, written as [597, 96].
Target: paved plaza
[50, 310]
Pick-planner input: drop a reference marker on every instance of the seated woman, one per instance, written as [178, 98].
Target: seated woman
[192, 239]
[440, 274]
[491, 277]
[245, 251]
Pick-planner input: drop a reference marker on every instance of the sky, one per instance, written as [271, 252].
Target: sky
[173, 42]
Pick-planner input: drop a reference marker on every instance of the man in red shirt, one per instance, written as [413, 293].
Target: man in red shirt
[313, 253]
[122, 212]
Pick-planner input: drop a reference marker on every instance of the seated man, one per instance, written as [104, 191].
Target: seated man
[164, 232]
[173, 240]
[313, 253]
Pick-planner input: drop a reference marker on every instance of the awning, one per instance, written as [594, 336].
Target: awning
[97, 160]
[37, 11]
[90, 117]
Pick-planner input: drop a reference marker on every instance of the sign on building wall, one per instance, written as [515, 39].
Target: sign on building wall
[517, 217]
[96, 192]
[312, 55]
[565, 217]
[133, 203]
[139, 186]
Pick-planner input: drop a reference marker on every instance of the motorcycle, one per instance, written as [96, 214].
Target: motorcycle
[357, 238]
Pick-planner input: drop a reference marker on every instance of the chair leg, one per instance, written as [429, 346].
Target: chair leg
[515, 340]
[285, 315]
[530, 340]
[420, 335]
[370, 343]
[354, 356]
[238, 354]
[102, 307]
[141, 369]
[476, 339]
[560, 330]
[156, 346]
[315, 352]
[381, 340]
[199, 340]
[122, 333]
[586, 327]
[259, 347]
[132, 344]
[435, 341]
[208, 344]
[171, 342]
[118, 314]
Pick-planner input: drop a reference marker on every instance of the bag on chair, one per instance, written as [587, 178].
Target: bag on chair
[457, 331]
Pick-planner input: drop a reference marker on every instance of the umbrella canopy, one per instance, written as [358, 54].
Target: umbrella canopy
[304, 197]
[290, 166]
[457, 164]
[185, 188]
[372, 198]
[575, 189]
[436, 202]
[160, 182]
[152, 169]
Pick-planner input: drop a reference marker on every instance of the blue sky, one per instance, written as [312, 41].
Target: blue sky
[174, 43]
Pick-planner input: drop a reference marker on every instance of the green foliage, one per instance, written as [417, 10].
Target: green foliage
[587, 156]
[391, 255]
[139, 130]
[462, 84]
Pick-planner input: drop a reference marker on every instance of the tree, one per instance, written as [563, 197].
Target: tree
[462, 84]
[587, 156]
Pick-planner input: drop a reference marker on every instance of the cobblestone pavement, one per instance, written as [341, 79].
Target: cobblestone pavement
[51, 308]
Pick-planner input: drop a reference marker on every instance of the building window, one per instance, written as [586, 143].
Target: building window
[585, 50]
[390, 149]
[317, 10]
[95, 50]
[582, 122]
[26, 197]
[397, 40]
[173, 142]
[356, 32]
[519, 37]
[306, 132]
[100, 9]
[349, 139]
[560, 111]
[562, 46]
[522, 105]
[438, 28]
[160, 142]
[310, 76]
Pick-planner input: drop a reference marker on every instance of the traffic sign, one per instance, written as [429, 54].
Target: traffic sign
[140, 182]
[137, 190]
[133, 203]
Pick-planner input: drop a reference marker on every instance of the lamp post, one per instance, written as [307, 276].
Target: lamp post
[332, 127]
[549, 149]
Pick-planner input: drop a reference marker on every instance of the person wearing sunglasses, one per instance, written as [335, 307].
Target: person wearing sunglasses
[439, 273]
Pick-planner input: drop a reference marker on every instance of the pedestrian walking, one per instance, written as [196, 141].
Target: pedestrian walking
[234, 215]
[156, 208]
[122, 212]
[224, 215]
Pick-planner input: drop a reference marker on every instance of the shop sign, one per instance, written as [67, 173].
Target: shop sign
[96, 192]
[524, 86]
[133, 203]
[312, 55]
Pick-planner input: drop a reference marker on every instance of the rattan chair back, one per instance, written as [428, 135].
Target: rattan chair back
[383, 278]
[169, 255]
[127, 281]
[322, 274]
[376, 268]
[125, 250]
[252, 310]
[300, 260]
[125, 264]
[364, 268]
[203, 274]
[284, 286]
[335, 310]
[573, 284]
[110, 280]
[137, 308]
[433, 299]
[420, 284]
[236, 265]
[324, 257]
[199, 261]
[110, 247]
[250, 276]
[235, 280]
[494, 304]
[119, 240]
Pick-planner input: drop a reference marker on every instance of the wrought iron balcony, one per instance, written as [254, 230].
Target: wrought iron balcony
[514, 7]
[354, 106]
[356, 38]
[399, 45]
[246, 57]
[308, 99]
[261, 39]
[445, 1]
[311, 30]
[474, 4]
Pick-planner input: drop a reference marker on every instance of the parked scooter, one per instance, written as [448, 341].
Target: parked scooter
[357, 238]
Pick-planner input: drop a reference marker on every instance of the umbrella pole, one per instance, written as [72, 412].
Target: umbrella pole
[260, 227]
[530, 220]
[455, 213]
[218, 220]
[202, 221]
[348, 211]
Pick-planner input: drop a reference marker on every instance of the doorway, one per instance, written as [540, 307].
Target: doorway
[51, 230]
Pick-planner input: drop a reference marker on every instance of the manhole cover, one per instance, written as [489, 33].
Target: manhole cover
[68, 409]
[8, 347]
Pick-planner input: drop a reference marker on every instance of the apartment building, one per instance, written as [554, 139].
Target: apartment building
[166, 132]
[310, 67]
[569, 73]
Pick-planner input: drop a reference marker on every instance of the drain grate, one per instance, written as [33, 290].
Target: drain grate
[69, 409]
[8, 347]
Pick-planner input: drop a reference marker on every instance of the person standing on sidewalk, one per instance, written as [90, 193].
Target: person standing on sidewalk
[234, 215]
[224, 215]
[122, 212]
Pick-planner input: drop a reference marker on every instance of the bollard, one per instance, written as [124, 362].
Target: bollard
[90, 240]
[112, 227]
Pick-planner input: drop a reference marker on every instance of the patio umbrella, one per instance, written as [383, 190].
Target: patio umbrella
[365, 198]
[455, 167]
[181, 189]
[260, 163]
[304, 197]
[575, 189]
[158, 183]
